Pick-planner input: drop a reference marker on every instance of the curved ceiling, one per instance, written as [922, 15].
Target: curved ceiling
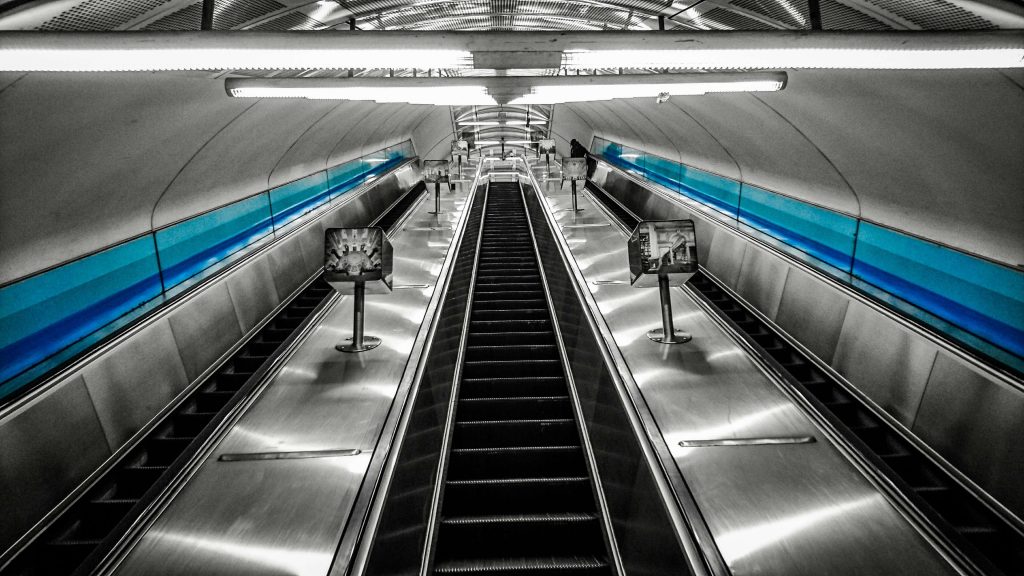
[78, 15]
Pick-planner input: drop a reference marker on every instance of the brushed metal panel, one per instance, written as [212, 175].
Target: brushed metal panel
[785, 509]
[311, 242]
[726, 256]
[284, 516]
[288, 267]
[888, 363]
[762, 278]
[801, 510]
[135, 381]
[706, 233]
[812, 312]
[48, 448]
[280, 517]
[253, 292]
[977, 424]
[205, 329]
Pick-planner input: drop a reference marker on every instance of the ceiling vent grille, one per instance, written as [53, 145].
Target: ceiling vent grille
[732, 21]
[793, 13]
[290, 21]
[97, 15]
[226, 15]
[934, 14]
[836, 16]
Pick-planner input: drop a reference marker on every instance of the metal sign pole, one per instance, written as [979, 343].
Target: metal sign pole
[437, 198]
[668, 333]
[359, 342]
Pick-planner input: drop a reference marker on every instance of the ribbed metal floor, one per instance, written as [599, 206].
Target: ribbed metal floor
[518, 497]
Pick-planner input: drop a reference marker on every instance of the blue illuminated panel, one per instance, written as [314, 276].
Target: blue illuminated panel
[297, 198]
[979, 296]
[826, 235]
[43, 314]
[48, 318]
[192, 246]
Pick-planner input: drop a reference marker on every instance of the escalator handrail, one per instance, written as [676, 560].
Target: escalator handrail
[691, 529]
[588, 450]
[356, 544]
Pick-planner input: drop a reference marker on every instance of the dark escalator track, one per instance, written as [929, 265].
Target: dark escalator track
[518, 498]
[75, 542]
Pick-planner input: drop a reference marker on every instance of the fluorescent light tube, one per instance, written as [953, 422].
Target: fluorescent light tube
[437, 95]
[787, 58]
[133, 59]
[556, 94]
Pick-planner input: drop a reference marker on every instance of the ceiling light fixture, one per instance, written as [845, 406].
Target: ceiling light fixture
[794, 58]
[511, 90]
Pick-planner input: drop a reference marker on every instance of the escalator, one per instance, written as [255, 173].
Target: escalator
[517, 495]
[994, 545]
[76, 541]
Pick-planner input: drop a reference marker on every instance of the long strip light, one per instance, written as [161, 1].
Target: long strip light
[685, 50]
[462, 95]
[794, 58]
[504, 90]
[562, 94]
[142, 59]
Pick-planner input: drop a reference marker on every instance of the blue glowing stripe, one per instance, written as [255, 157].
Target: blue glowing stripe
[982, 298]
[196, 263]
[294, 199]
[47, 318]
[189, 247]
[822, 233]
[1010, 338]
[36, 347]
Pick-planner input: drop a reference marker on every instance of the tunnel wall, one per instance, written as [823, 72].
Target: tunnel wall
[97, 407]
[935, 154]
[89, 160]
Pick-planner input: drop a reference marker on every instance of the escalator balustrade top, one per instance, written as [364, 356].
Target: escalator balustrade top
[518, 496]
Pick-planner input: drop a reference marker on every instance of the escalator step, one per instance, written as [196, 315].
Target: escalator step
[512, 352]
[524, 367]
[548, 566]
[514, 408]
[518, 495]
[512, 386]
[516, 462]
[502, 433]
[520, 535]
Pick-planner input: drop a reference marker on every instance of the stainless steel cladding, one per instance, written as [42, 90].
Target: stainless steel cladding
[905, 371]
[69, 428]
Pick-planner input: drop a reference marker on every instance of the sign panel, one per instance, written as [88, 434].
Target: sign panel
[546, 147]
[574, 168]
[358, 255]
[460, 152]
[662, 248]
[435, 171]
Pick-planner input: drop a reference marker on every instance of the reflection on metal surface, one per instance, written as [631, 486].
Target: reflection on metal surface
[748, 441]
[771, 509]
[739, 544]
[411, 286]
[609, 282]
[587, 225]
[244, 457]
[287, 515]
[290, 561]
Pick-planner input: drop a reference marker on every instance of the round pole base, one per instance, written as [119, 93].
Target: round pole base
[678, 336]
[438, 212]
[369, 343]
